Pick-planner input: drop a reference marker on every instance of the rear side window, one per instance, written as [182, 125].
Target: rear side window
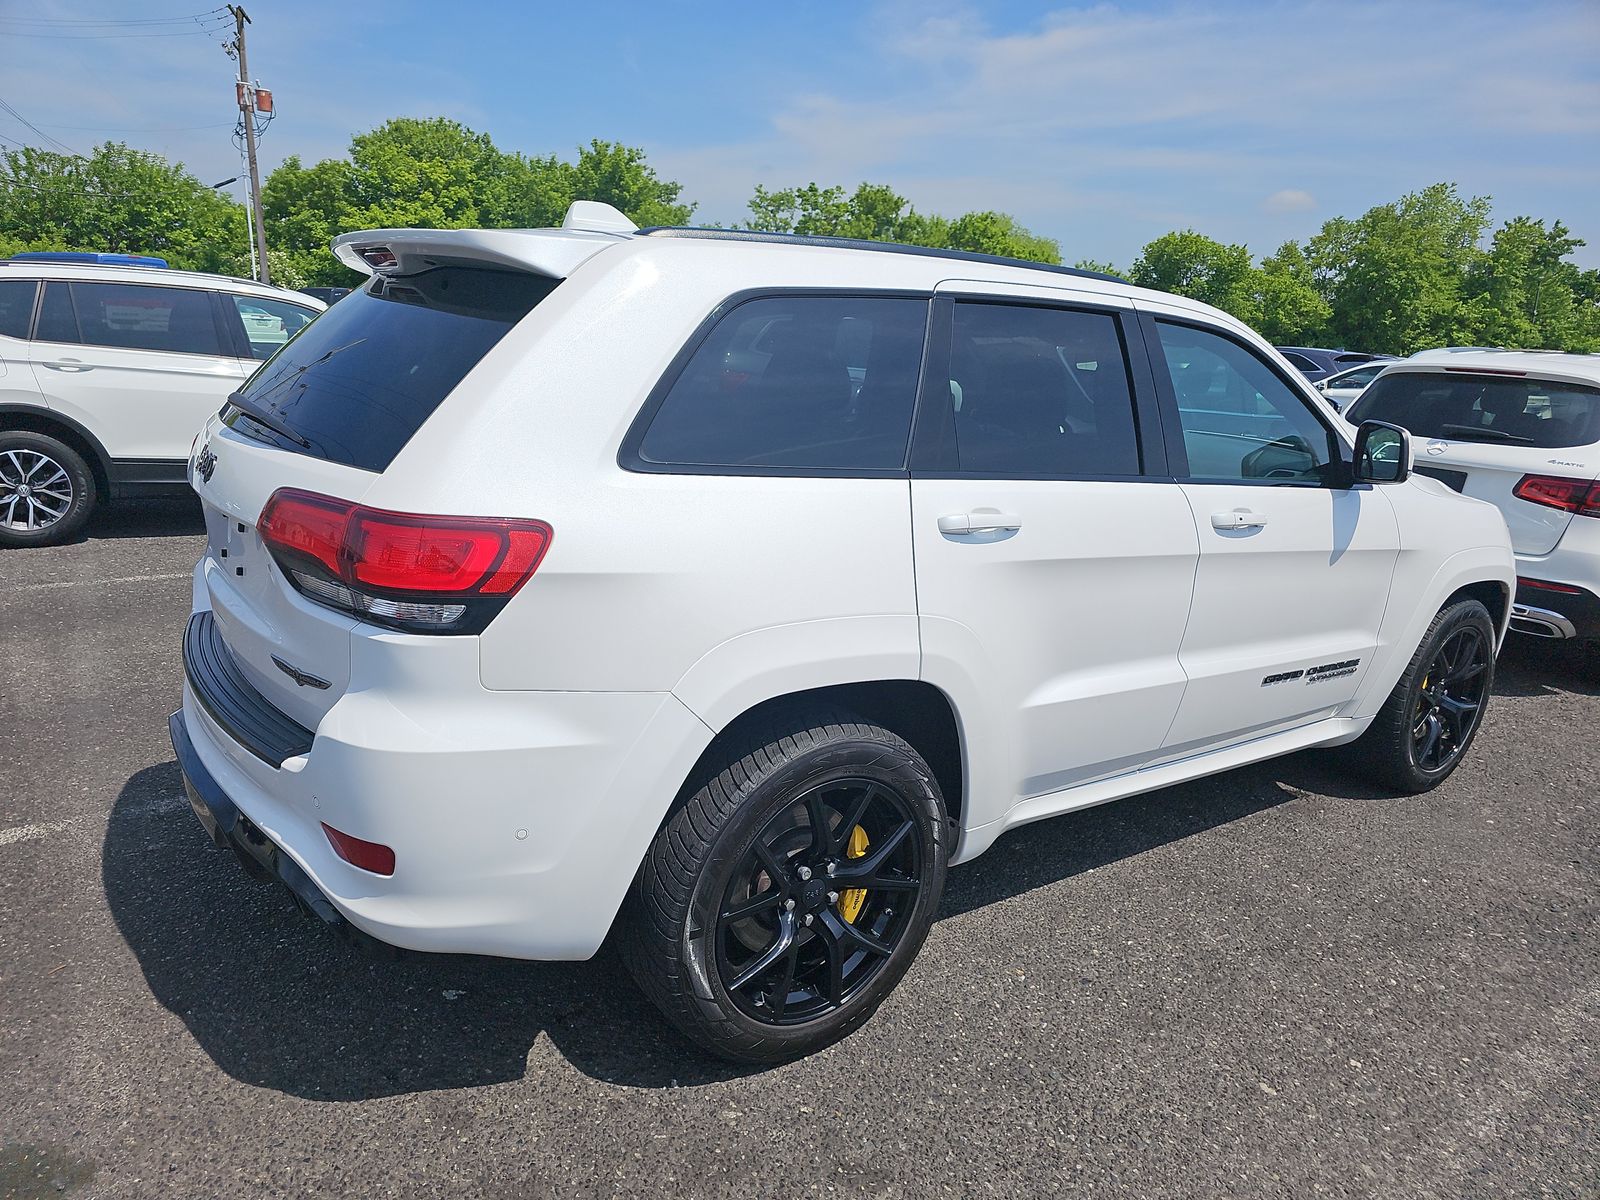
[826, 382]
[1041, 392]
[1483, 408]
[1300, 362]
[57, 321]
[363, 377]
[132, 316]
[16, 306]
[268, 324]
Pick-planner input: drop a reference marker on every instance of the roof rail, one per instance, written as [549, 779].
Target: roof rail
[837, 243]
[89, 258]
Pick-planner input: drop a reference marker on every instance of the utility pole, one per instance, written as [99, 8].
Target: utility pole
[247, 114]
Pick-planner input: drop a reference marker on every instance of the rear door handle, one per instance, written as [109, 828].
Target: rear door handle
[67, 364]
[979, 522]
[1239, 518]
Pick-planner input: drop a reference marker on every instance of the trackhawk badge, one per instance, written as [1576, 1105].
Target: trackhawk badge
[205, 463]
[301, 678]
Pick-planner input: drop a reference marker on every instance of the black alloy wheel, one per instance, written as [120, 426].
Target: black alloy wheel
[1450, 700]
[804, 923]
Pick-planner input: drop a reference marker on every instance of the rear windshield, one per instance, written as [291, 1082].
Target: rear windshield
[359, 380]
[1493, 409]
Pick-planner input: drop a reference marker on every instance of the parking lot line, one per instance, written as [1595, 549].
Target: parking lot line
[66, 583]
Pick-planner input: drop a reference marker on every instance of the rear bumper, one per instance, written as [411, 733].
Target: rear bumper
[517, 818]
[259, 855]
[1555, 612]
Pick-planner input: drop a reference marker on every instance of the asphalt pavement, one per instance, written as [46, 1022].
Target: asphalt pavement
[1276, 982]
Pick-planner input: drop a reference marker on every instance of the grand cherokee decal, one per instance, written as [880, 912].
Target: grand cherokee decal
[1315, 674]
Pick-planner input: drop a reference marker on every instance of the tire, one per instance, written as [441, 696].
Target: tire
[1393, 751]
[31, 513]
[719, 854]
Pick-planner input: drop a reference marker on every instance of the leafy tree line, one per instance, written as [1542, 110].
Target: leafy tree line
[1401, 277]
[1422, 271]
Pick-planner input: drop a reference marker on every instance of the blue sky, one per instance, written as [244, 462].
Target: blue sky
[1101, 125]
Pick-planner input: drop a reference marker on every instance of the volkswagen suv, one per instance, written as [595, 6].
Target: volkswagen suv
[109, 365]
[725, 589]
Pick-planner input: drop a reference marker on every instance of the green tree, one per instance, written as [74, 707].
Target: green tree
[1290, 310]
[878, 213]
[1525, 293]
[1395, 278]
[116, 199]
[1202, 268]
[437, 173]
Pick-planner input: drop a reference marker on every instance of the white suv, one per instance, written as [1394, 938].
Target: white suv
[108, 372]
[729, 587]
[1520, 429]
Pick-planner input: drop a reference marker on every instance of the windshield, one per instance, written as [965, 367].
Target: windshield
[1483, 408]
[358, 381]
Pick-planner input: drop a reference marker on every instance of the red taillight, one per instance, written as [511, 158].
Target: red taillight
[436, 574]
[1578, 496]
[369, 856]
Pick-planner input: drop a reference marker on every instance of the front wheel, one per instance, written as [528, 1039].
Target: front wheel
[1424, 728]
[784, 901]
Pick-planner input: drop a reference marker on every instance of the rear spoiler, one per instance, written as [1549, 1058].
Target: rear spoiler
[588, 229]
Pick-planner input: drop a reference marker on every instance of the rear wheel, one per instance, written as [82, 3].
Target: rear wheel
[784, 901]
[46, 490]
[1423, 730]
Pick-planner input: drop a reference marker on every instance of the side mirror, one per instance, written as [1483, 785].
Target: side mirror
[1383, 453]
[1322, 385]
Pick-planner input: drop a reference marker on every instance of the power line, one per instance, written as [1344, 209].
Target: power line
[4, 107]
[78, 21]
[203, 31]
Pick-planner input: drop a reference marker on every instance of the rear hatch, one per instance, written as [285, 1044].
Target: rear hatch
[1483, 431]
[327, 414]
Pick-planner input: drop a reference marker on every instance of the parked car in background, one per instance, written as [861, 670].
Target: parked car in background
[326, 294]
[1445, 351]
[1522, 431]
[1346, 385]
[107, 372]
[1315, 363]
[728, 587]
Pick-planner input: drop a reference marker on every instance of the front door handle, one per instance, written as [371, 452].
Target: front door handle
[979, 522]
[1239, 518]
[67, 364]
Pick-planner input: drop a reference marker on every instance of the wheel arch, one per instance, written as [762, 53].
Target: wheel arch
[30, 419]
[912, 709]
[1493, 595]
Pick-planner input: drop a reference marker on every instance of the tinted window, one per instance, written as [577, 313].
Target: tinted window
[268, 324]
[16, 306]
[1483, 408]
[363, 377]
[1240, 420]
[57, 322]
[1041, 391]
[1300, 362]
[133, 316]
[796, 381]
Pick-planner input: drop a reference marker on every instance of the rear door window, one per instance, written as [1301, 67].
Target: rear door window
[1496, 409]
[16, 306]
[1041, 392]
[810, 382]
[361, 379]
[133, 316]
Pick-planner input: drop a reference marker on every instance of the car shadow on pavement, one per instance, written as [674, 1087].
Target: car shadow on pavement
[1530, 666]
[178, 516]
[278, 1001]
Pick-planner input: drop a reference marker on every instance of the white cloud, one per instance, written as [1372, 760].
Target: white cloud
[1289, 200]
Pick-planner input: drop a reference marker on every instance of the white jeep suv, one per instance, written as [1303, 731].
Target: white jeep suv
[107, 372]
[1520, 429]
[728, 587]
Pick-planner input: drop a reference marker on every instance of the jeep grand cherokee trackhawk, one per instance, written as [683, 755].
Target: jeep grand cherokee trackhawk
[727, 588]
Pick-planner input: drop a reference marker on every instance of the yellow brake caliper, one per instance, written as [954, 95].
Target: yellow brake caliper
[851, 899]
